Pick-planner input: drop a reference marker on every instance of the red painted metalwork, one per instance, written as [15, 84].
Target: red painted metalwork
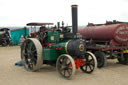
[116, 34]
[46, 44]
[59, 48]
[78, 63]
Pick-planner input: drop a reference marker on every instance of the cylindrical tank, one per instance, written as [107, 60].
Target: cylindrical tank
[116, 32]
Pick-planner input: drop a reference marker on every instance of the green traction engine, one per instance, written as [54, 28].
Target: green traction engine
[60, 48]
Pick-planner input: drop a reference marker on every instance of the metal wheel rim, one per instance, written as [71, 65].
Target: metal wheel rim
[63, 66]
[32, 61]
[91, 64]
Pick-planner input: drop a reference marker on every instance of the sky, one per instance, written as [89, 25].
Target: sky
[21, 12]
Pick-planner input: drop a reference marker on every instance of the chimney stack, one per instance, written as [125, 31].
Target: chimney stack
[74, 19]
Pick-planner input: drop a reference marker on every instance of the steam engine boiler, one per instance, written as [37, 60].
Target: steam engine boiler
[61, 48]
[107, 41]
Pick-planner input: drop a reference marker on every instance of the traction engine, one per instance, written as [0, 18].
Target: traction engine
[61, 48]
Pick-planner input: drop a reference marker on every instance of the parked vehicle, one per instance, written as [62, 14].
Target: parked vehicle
[107, 41]
[5, 38]
[60, 48]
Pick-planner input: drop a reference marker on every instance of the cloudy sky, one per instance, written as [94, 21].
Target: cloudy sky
[20, 12]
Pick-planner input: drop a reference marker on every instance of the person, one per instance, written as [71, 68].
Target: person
[42, 29]
[22, 39]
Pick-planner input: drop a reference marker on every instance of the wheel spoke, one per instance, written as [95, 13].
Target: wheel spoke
[69, 71]
[64, 72]
[27, 50]
[30, 46]
[33, 51]
[27, 46]
[93, 64]
[65, 61]
[68, 64]
[90, 60]
[25, 54]
[90, 67]
[34, 60]
[86, 68]
[60, 63]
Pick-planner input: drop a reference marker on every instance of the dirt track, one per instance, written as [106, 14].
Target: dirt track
[112, 74]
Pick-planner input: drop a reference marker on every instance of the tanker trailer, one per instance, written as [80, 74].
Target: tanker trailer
[61, 48]
[107, 41]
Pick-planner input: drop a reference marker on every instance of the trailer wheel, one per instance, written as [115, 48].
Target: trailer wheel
[31, 54]
[91, 63]
[101, 59]
[123, 59]
[65, 65]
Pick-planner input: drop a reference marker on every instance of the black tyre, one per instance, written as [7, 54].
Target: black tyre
[101, 59]
[123, 59]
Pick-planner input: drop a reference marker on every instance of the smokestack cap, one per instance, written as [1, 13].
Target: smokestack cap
[74, 6]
